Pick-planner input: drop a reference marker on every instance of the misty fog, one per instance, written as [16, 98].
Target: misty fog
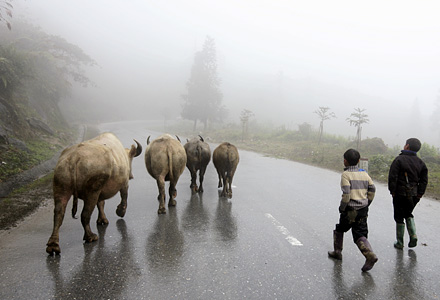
[279, 59]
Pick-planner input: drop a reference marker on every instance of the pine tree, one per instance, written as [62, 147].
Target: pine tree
[203, 100]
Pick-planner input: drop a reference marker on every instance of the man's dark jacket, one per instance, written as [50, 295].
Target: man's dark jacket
[416, 170]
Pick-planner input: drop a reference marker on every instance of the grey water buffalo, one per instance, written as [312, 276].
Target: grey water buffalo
[198, 155]
[94, 170]
[225, 159]
[165, 159]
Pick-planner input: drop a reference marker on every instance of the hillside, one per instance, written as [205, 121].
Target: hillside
[37, 71]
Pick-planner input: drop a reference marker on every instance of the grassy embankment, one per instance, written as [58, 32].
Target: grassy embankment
[304, 148]
[25, 199]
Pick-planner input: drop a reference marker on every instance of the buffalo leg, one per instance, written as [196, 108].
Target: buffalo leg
[194, 180]
[201, 177]
[173, 192]
[219, 179]
[89, 205]
[122, 207]
[161, 186]
[53, 245]
[231, 177]
[225, 184]
[102, 219]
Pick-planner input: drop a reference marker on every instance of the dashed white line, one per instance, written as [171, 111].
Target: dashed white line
[293, 241]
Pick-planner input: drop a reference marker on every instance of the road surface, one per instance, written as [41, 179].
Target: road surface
[269, 241]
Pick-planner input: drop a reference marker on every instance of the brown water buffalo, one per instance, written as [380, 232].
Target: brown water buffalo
[198, 155]
[165, 159]
[225, 159]
[93, 171]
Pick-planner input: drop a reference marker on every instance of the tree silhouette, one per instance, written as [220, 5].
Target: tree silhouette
[305, 129]
[323, 113]
[357, 118]
[245, 115]
[203, 99]
[435, 120]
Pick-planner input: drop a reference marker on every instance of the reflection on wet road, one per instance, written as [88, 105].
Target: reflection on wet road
[209, 247]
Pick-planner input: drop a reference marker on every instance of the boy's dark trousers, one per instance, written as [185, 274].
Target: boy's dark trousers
[403, 208]
[356, 220]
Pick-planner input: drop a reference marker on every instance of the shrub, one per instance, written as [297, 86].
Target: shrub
[379, 165]
[428, 151]
[373, 146]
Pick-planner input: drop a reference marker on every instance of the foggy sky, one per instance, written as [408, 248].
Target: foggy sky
[280, 59]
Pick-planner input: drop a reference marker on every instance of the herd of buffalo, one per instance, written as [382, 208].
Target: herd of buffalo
[96, 169]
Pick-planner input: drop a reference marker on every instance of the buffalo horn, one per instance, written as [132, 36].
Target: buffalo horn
[148, 140]
[201, 138]
[138, 148]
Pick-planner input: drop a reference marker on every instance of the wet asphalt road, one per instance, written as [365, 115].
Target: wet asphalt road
[269, 241]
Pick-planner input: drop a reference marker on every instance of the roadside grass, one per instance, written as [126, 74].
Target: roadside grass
[35, 150]
[23, 201]
[328, 154]
[15, 160]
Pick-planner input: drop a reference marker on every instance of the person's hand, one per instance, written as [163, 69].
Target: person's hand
[341, 209]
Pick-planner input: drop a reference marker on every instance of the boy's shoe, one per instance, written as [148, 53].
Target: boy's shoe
[338, 239]
[400, 232]
[365, 248]
[411, 226]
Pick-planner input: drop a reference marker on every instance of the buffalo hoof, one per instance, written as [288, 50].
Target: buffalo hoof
[200, 189]
[102, 221]
[120, 211]
[172, 203]
[91, 238]
[161, 211]
[194, 187]
[53, 248]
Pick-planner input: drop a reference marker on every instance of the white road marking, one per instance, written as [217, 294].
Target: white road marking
[293, 241]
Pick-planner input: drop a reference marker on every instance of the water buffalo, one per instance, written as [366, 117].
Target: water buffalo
[225, 159]
[198, 155]
[165, 159]
[93, 171]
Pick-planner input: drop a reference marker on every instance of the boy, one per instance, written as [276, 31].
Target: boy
[407, 181]
[357, 194]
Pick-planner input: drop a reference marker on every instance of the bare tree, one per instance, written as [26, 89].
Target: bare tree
[323, 113]
[357, 118]
[245, 115]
